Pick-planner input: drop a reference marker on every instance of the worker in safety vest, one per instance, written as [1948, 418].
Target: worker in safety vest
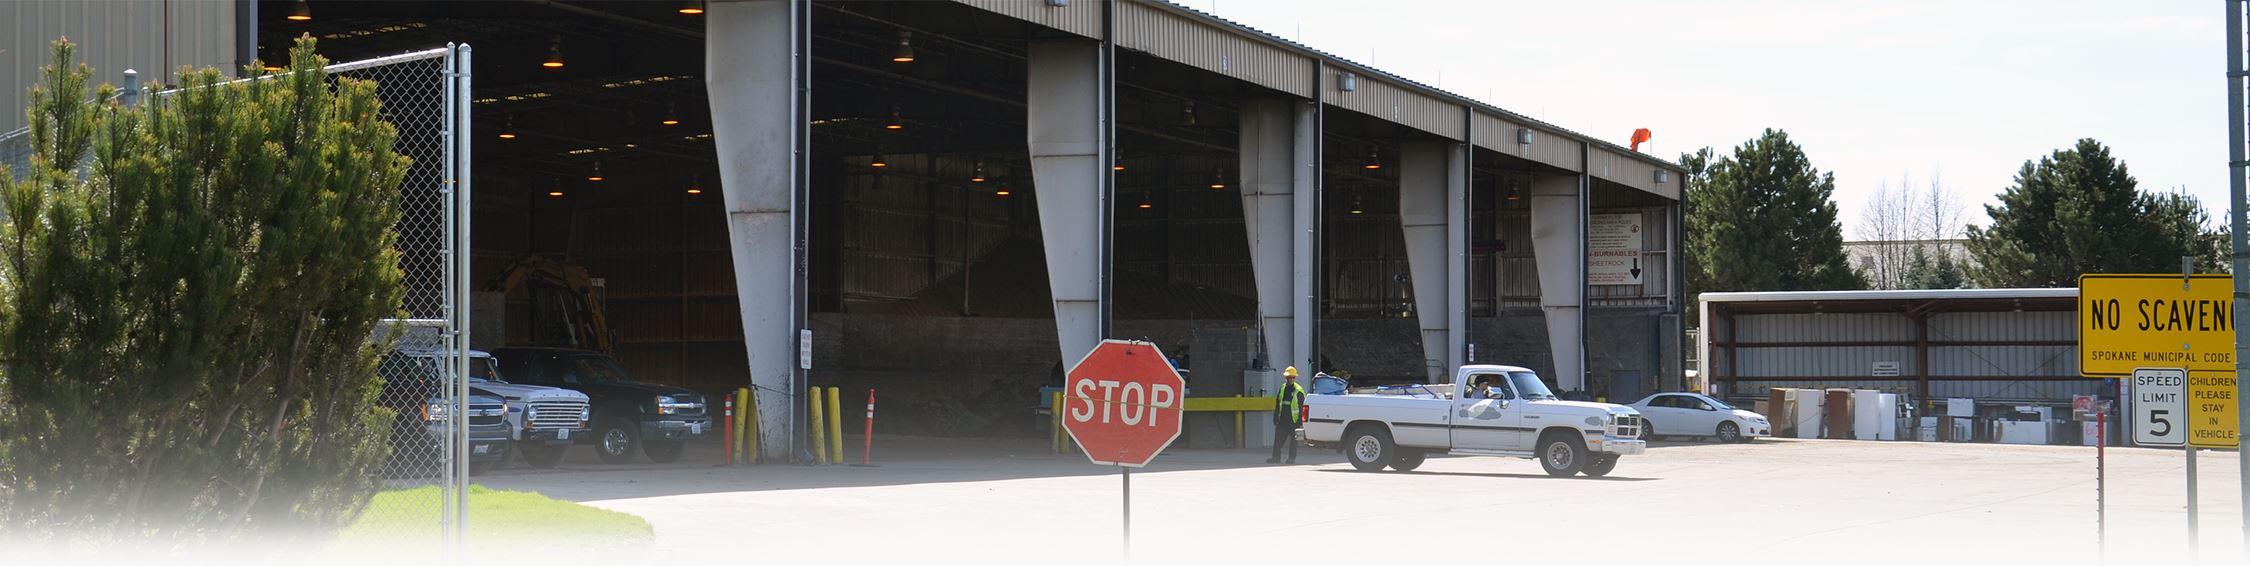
[1288, 410]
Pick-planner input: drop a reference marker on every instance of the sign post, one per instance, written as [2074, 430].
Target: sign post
[1122, 406]
[2175, 336]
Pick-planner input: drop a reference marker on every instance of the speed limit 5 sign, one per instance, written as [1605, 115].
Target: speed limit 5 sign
[2159, 406]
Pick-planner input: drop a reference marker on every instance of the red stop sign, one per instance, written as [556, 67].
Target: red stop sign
[1122, 403]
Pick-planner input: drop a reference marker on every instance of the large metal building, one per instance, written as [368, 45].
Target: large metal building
[949, 201]
[1997, 346]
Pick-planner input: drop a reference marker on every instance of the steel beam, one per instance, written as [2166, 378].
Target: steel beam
[1558, 249]
[1068, 128]
[1278, 167]
[756, 74]
[1431, 193]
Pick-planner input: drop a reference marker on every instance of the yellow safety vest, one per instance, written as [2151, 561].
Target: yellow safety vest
[1289, 405]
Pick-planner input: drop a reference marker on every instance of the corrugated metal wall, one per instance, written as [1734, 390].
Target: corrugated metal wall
[1501, 135]
[1147, 28]
[1626, 170]
[1082, 18]
[1406, 107]
[111, 37]
[903, 232]
[2036, 363]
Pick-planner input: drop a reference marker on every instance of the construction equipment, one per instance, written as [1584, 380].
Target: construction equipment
[566, 303]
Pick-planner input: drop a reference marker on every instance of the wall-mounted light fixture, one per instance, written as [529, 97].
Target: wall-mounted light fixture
[1347, 81]
[1523, 136]
[1058, 3]
[1663, 176]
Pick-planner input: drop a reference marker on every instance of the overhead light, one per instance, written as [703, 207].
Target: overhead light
[1356, 209]
[1003, 188]
[1374, 160]
[1187, 113]
[554, 193]
[1117, 161]
[895, 123]
[1145, 204]
[1218, 179]
[596, 175]
[1515, 191]
[692, 7]
[508, 130]
[878, 161]
[904, 53]
[300, 12]
[976, 173]
[671, 115]
[695, 185]
[554, 53]
[694, 191]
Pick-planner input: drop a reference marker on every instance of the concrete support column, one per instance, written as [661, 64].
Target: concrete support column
[1432, 205]
[1278, 165]
[1068, 102]
[1557, 226]
[754, 73]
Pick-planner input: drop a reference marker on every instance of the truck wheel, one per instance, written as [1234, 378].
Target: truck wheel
[1562, 455]
[1369, 448]
[1601, 466]
[664, 452]
[1408, 460]
[615, 440]
[542, 456]
[1729, 433]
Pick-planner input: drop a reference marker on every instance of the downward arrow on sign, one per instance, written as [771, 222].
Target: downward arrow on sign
[1636, 268]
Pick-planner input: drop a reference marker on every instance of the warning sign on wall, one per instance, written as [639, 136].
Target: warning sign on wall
[1613, 249]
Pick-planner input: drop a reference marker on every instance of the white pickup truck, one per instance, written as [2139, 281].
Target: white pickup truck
[1502, 411]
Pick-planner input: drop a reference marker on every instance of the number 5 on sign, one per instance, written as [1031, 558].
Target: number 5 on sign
[2211, 410]
[2159, 402]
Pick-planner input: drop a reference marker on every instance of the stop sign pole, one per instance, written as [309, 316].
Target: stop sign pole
[1122, 405]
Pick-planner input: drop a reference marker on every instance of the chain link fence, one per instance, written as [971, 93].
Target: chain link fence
[426, 476]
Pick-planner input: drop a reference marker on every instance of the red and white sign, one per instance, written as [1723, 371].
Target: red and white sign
[1122, 403]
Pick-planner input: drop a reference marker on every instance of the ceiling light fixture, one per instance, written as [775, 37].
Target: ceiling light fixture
[508, 130]
[877, 161]
[1356, 209]
[1117, 160]
[692, 8]
[554, 193]
[596, 175]
[1145, 204]
[1187, 113]
[671, 115]
[695, 185]
[976, 172]
[1218, 179]
[904, 53]
[554, 53]
[895, 124]
[300, 12]
[1374, 160]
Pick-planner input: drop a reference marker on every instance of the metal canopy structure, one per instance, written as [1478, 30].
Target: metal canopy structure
[2013, 344]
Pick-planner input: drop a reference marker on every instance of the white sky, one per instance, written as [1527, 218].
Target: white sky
[1873, 90]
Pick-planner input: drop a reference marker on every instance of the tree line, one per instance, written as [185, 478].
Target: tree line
[1763, 218]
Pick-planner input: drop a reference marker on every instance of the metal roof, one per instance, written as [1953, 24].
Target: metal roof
[1893, 295]
[1372, 72]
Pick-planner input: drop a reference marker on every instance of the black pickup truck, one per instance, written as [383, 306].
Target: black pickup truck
[628, 415]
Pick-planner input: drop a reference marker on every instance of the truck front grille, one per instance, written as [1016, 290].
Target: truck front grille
[1626, 427]
[555, 415]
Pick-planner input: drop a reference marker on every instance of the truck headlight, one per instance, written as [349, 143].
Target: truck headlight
[668, 405]
[1593, 421]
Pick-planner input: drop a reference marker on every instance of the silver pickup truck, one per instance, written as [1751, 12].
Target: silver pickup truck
[1488, 410]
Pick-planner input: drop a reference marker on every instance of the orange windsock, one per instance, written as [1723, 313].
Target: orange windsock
[1641, 135]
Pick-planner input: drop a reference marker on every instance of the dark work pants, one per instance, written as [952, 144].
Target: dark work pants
[1285, 433]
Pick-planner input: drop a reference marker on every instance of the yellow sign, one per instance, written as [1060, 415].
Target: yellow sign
[2164, 321]
[2211, 410]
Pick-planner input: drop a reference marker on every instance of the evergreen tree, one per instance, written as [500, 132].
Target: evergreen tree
[1763, 219]
[1922, 272]
[2080, 211]
[187, 293]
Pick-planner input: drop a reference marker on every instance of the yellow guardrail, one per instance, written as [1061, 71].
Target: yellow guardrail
[1237, 405]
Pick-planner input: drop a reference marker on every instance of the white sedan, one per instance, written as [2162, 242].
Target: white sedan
[1696, 414]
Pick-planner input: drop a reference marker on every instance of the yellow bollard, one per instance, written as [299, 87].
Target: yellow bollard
[1057, 409]
[835, 426]
[819, 445]
[749, 422]
[742, 419]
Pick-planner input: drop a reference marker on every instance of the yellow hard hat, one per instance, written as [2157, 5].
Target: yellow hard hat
[1291, 372]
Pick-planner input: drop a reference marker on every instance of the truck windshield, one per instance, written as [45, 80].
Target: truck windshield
[482, 370]
[1529, 387]
[596, 369]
